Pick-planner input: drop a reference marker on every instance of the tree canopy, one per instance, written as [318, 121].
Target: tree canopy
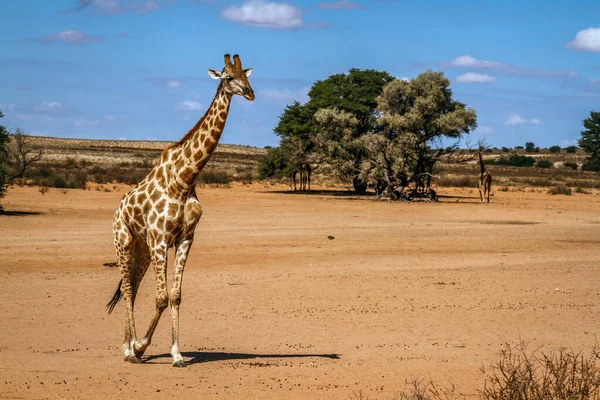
[3, 157]
[590, 141]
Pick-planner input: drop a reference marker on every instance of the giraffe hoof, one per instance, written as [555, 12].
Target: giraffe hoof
[179, 364]
[132, 359]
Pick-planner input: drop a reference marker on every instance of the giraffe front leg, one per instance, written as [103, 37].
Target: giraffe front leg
[193, 212]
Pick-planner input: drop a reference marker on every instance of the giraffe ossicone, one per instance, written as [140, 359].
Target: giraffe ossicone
[162, 211]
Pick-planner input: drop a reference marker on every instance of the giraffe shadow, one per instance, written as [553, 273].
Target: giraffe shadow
[19, 213]
[197, 357]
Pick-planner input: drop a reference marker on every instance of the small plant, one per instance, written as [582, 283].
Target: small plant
[554, 149]
[561, 189]
[544, 164]
[581, 190]
[571, 165]
[571, 149]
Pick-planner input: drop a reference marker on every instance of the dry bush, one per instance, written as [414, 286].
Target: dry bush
[419, 389]
[560, 189]
[214, 176]
[521, 374]
[457, 181]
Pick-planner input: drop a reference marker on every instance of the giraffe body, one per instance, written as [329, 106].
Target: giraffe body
[485, 181]
[162, 211]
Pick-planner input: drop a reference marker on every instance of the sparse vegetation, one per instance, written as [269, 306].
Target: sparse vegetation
[544, 164]
[554, 149]
[571, 165]
[561, 189]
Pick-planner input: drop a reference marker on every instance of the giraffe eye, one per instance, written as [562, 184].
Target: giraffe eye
[229, 78]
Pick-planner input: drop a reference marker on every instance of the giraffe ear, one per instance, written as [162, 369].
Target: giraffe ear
[247, 72]
[213, 74]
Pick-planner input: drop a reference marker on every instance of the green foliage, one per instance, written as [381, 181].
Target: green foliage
[274, 164]
[544, 164]
[3, 158]
[591, 164]
[513, 160]
[355, 93]
[554, 149]
[529, 147]
[571, 165]
[505, 149]
[518, 147]
[571, 149]
[590, 141]
[414, 116]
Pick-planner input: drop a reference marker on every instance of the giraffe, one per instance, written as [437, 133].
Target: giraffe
[162, 212]
[485, 180]
[305, 170]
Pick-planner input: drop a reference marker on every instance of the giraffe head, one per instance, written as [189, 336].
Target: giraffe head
[234, 78]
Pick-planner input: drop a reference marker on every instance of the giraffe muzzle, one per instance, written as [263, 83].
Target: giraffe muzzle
[249, 94]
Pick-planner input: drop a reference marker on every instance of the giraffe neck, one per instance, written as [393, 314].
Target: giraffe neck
[481, 164]
[195, 148]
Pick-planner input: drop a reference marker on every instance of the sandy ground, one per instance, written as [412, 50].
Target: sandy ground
[273, 309]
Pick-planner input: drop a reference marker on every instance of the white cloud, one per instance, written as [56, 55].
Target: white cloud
[586, 40]
[516, 119]
[340, 5]
[474, 77]
[467, 61]
[286, 94]
[173, 84]
[70, 36]
[594, 81]
[485, 130]
[7, 107]
[265, 14]
[190, 105]
[49, 106]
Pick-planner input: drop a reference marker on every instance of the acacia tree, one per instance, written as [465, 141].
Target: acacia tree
[3, 157]
[17, 154]
[590, 141]
[354, 93]
[416, 119]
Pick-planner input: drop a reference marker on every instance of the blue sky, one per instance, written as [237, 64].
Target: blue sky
[136, 69]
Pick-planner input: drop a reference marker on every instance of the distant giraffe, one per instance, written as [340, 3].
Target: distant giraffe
[162, 212]
[305, 171]
[485, 180]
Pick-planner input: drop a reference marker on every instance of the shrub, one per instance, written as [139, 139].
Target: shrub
[457, 181]
[571, 149]
[571, 165]
[212, 176]
[561, 189]
[513, 160]
[505, 149]
[544, 164]
[523, 374]
[554, 149]
[529, 147]
[581, 190]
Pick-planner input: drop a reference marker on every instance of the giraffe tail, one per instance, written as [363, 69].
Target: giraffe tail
[115, 299]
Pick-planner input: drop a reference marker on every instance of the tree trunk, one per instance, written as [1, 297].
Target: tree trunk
[360, 186]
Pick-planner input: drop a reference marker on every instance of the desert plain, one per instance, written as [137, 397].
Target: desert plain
[298, 296]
